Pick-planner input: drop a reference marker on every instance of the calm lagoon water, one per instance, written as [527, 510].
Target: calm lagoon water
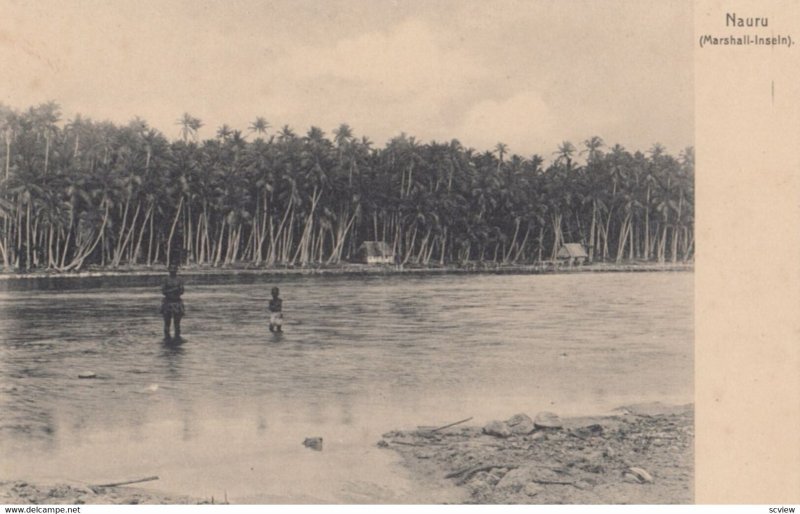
[226, 412]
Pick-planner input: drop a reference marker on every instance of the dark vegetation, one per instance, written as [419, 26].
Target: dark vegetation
[81, 193]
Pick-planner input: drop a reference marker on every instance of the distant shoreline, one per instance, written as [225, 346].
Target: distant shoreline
[361, 269]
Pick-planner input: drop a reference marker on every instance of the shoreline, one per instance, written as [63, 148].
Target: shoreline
[640, 454]
[637, 454]
[69, 492]
[360, 269]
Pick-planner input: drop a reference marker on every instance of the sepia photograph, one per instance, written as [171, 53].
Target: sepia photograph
[347, 252]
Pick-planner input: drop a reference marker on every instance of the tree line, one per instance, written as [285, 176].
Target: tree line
[82, 192]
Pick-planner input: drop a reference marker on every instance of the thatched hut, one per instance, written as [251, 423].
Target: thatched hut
[575, 253]
[375, 252]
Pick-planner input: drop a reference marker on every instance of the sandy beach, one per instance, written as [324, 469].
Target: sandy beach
[643, 454]
[20, 492]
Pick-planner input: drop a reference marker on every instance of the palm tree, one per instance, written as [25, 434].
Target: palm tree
[259, 126]
[656, 150]
[501, 149]
[224, 132]
[286, 134]
[535, 164]
[189, 126]
[9, 125]
[593, 146]
[343, 135]
[45, 117]
[564, 154]
[78, 128]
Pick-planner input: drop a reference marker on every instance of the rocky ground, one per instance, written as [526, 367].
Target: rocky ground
[644, 454]
[19, 492]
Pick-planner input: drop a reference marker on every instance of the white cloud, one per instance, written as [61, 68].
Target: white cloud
[408, 78]
[529, 124]
[523, 121]
[527, 73]
[409, 59]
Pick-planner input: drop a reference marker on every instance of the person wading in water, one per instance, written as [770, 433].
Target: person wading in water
[172, 306]
[276, 311]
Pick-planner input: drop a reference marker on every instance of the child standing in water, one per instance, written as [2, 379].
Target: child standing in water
[172, 306]
[276, 311]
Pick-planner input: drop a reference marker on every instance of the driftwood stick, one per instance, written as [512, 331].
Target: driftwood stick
[472, 472]
[554, 482]
[451, 424]
[127, 482]
[468, 472]
[405, 443]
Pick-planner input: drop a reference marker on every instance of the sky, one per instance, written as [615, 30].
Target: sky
[527, 73]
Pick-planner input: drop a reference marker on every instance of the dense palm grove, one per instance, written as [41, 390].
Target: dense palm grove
[81, 193]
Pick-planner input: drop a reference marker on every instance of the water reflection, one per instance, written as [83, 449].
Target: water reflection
[172, 353]
[189, 428]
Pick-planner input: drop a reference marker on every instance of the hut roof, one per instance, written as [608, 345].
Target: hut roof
[376, 249]
[572, 251]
